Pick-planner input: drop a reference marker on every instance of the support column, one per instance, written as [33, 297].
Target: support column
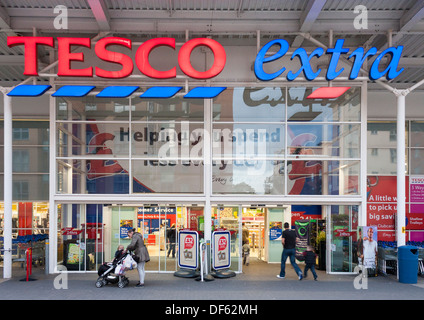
[400, 216]
[7, 231]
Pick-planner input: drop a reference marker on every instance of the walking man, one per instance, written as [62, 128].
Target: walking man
[289, 251]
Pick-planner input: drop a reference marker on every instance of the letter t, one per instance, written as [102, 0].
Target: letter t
[30, 43]
[335, 55]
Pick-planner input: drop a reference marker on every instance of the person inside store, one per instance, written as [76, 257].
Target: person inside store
[141, 255]
[245, 234]
[289, 251]
[171, 236]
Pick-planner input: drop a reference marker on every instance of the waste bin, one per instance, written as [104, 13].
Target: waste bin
[408, 264]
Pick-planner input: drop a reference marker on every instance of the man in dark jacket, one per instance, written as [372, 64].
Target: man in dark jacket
[140, 252]
[171, 240]
[289, 242]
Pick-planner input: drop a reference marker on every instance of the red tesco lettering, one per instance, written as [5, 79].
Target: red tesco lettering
[66, 56]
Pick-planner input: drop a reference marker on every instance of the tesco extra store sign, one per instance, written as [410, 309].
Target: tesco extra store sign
[141, 61]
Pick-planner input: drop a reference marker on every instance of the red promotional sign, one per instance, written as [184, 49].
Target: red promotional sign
[222, 243]
[343, 233]
[70, 231]
[66, 56]
[188, 242]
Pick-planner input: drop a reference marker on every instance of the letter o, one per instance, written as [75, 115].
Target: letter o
[142, 58]
[217, 50]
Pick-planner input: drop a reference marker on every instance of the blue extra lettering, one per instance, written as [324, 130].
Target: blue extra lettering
[261, 59]
[391, 70]
[335, 56]
[305, 64]
[359, 60]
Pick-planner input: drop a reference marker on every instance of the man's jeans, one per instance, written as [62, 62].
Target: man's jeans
[289, 253]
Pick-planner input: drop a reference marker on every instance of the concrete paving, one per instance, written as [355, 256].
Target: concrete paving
[257, 282]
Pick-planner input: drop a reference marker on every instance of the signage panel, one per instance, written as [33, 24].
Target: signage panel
[221, 250]
[188, 253]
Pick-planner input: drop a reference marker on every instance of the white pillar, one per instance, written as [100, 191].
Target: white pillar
[400, 217]
[7, 231]
[52, 189]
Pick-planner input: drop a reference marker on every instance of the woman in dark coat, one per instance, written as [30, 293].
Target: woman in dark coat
[141, 254]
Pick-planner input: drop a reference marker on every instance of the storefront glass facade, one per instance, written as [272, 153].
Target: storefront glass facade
[264, 141]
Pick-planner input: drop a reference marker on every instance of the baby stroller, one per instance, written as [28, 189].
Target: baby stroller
[114, 272]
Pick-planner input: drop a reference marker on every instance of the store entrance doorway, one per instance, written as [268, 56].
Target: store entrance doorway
[159, 225]
[261, 227]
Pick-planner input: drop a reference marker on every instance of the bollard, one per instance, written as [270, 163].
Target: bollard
[46, 259]
[202, 259]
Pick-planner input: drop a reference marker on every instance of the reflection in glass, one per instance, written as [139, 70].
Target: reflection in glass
[248, 177]
[173, 109]
[344, 246]
[167, 176]
[344, 108]
[250, 104]
[90, 108]
[331, 140]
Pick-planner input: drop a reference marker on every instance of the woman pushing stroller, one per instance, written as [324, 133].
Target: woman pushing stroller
[141, 255]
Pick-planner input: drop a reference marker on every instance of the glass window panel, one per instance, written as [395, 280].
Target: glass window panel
[175, 108]
[417, 134]
[250, 104]
[28, 133]
[331, 140]
[93, 176]
[248, 177]
[90, 108]
[323, 177]
[344, 248]
[31, 187]
[381, 161]
[347, 107]
[166, 139]
[248, 140]
[99, 139]
[383, 134]
[417, 161]
[31, 159]
[167, 176]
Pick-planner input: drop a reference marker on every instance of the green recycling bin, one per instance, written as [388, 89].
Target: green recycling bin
[408, 264]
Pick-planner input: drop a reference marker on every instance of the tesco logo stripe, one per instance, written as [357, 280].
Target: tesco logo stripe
[26, 90]
[160, 92]
[73, 91]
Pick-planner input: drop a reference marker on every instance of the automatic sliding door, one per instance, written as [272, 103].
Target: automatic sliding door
[343, 225]
[228, 218]
[167, 237]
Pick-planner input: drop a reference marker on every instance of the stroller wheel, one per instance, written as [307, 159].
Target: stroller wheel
[122, 284]
[99, 283]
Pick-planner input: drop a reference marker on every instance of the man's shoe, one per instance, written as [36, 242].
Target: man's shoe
[279, 277]
[139, 285]
[300, 276]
